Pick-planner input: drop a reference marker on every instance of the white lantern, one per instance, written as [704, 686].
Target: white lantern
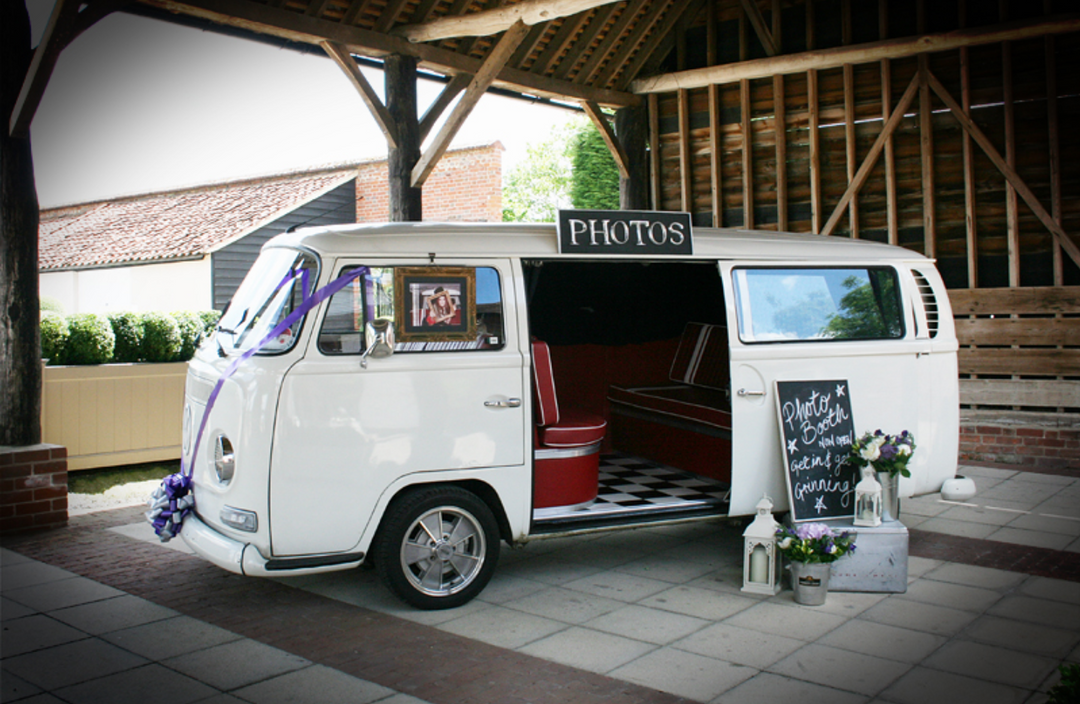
[868, 499]
[761, 559]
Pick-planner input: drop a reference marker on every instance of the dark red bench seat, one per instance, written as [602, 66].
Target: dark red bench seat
[686, 424]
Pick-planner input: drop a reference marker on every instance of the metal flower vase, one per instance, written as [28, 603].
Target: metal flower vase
[890, 495]
[810, 582]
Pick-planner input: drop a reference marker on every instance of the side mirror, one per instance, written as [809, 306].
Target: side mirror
[379, 338]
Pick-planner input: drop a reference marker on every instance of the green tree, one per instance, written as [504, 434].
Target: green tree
[539, 185]
[595, 180]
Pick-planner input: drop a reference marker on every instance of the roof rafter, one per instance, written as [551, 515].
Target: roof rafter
[293, 26]
[856, 54]
[488, 22]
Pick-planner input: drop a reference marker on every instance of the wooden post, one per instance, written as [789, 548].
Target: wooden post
[891, 214]
[1054, 138]
[715, 162]
[20, 342]
[970, 222]
[406, 202]
[654, 151]
[686, 185]
[632, 129]
[1012, 216]
[813, 118]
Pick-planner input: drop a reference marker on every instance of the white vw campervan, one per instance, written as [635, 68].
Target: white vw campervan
[417, 394]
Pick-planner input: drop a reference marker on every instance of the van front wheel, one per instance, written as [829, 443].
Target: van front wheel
[438, 547]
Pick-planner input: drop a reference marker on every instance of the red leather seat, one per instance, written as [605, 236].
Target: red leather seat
[558, 427]
[567, 453]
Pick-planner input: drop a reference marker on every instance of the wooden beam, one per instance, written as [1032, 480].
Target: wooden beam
[616, 59]
[747, 155]
[857, 54]
[814, 119]
[404, 202]
[891, 210]
[592, 64]
[608, 134]
[597, 23]
[56, 36]
[257, 17]
[654, 150]
[1010, 174]
[1054, 138]
[348, 65]
[686, 184]
[563, 39]
[389, 15]
[477, 87]
[715, 161]
[970, 219]
[757, 21]
[871, 158]
[1012, 215]
[662, 34]
[780, 133]
[926, 152]
[450, 91]
[489, 22]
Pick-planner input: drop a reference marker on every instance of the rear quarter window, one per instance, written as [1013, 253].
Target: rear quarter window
[818, 304]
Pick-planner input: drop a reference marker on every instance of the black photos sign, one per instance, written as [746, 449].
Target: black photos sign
[817, 431]
[624, 232]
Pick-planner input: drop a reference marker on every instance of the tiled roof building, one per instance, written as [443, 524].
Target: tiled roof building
[190, 248]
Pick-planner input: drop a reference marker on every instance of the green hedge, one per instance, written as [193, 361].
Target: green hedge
[54, 335]
[88, 338]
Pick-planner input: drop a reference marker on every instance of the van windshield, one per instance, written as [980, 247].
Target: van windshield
[277, 283]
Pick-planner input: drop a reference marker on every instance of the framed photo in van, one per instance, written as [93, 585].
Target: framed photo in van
[434, 304]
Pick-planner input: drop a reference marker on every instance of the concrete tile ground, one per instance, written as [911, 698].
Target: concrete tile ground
[651, 615]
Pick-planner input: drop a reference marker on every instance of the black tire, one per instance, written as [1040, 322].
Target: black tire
[437, 547]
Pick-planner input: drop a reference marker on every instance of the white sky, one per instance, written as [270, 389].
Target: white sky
[137, 106]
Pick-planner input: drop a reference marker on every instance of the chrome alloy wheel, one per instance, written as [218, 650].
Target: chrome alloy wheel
[443, 551]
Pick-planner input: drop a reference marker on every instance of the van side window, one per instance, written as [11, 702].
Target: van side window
[434, 309]
[825, 304]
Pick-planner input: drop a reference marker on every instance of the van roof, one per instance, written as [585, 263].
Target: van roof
[455, 239]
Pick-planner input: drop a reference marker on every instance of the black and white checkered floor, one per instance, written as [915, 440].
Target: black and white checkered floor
[632, 485]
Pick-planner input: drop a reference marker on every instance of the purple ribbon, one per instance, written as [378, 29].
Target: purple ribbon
[171, 502]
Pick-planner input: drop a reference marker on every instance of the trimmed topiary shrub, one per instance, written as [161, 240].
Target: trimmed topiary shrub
[90, 340]
[191, 332]
[54, 335]
[128, 329]
[161, 337]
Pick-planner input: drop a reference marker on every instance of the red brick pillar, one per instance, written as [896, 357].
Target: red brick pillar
[33, 487]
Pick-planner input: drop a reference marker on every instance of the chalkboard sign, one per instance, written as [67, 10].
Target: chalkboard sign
[817, 431]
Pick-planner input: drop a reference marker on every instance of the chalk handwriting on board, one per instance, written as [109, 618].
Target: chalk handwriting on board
[817, 431]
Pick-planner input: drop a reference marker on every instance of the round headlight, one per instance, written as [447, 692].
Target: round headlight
[224, 459]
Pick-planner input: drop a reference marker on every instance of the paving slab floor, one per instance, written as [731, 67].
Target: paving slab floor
[100, 611]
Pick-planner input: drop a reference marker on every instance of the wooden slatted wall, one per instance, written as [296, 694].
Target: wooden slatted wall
[932, 188]
[1019, 348]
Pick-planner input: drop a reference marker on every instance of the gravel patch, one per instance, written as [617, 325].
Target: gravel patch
[133, 494]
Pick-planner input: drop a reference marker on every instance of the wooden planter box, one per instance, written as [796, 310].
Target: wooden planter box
[114, 414]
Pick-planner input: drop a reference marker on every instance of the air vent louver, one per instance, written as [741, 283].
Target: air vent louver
[930, 304]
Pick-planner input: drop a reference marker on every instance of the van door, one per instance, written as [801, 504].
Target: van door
[814, 323]
[450, 398]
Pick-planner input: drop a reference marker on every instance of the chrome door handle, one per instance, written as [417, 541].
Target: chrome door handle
[745, 392]
[508, 403]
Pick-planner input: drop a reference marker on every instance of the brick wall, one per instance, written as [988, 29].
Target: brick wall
[466, 186]
[33, 487]
[1030, 445]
